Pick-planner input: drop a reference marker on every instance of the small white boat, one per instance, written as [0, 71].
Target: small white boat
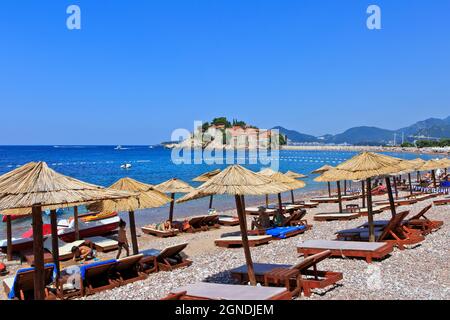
[119, 147]
[126, 166]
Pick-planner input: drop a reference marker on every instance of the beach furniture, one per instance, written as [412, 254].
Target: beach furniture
[103, 244]
[332, 216]
[255, 211]
[422, 223]
[97, 276]
[228, 220]
[278, 233]
[236, 241]
[347, 249]
[442, 202]
[160, 233]
[334, 199]
[197, 224]
[211, 221]
[296, 219]
[399, 202]
[167, 259]
[296, 278]
[65, 249]
[218, 291]
[304, 204]
[28, 256]
[392, 232]
[375, 209]
[21, 286]
[128, 270]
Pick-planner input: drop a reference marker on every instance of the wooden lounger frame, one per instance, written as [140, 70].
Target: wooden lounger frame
[184, 296]
[25, 285]
[441, 202]
[103, 271]
[238, 243]
[380, 253]
[335, 218]
[230, 223]
[159, 233]
[128, 270]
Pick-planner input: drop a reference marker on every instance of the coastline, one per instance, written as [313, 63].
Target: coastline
[366, 148]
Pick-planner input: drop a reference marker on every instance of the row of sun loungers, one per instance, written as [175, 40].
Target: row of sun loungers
[97, 276]
[196, 224]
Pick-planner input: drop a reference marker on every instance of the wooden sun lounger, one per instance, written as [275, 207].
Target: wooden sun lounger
[375, 209]
[28, 256]
[211, 221]
[23, 283]
[333, 216]
[167, 259]
[228, 221]
[255, 211]
[399, 202]
[325, 200]
[304, 204]
[347, 249]
[422, 223]
[64, 249]
[217, 291]
[160, 233]
[98, 276]
[236, 241]
[441, 202]
[103, 244]
[128, 269]
[197, 224]
[393, 232]
[295, 278]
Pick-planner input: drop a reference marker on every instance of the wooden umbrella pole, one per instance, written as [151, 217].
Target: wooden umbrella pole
[9, 248]
[211, 201]
[363, 190]
[38, 251]
[433, 174]
[292, 197]
[243, 209]
[55, 246]
[369, 211]
[391, 197]
[267, 200]
[410, 184]
[395, 187]
[418, 177]
[329, 189]
[134, 241]
[172, 203]
[338, 184]
[345, 187]
[75, 221]
[243, 227]
[280, 204]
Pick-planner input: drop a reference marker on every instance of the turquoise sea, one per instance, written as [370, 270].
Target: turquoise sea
[101, 165]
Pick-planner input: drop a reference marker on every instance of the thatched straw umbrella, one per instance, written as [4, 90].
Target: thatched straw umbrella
[294, 175]
[364, 166]
[323, 169]
[146, 197]
[290, 183]
[413, 166]
[36, 187]
[433, 165]
[237, 181]
[205, 177]
[173, 186]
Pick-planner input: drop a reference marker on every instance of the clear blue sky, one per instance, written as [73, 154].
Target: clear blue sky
[139, 69]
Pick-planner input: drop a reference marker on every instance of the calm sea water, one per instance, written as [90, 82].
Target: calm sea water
[101, 165]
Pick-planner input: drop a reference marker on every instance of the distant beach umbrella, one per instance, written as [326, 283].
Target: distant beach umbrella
[173, 186]
[145, 197]
[238, 181]
[205, 177]
[35, 187]
[365, 166]
[294, 175]
[433, 165]
[323, 169]
[290, 183]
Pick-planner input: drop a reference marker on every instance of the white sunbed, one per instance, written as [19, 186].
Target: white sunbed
[218, 291]
[103, 244]
[329, 216]
[65, 248]
[237, 241]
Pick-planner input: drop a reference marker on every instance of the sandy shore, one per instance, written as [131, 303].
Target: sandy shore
[420, 272]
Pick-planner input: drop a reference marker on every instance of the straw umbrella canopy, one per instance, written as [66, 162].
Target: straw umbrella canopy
[411, 166]
[290, 183]
[364, 166]
[433, 165]
[323, 169]
[205, 177]
[35, 187]
[294, 175]
[237, 181]
[146, 197]
[173, 186]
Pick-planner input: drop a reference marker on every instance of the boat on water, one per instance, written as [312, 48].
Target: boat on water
[126, 166]
[119, 147]
[16, 217]
[66, 232]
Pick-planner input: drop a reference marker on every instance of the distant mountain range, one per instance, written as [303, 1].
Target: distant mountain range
[364, 135]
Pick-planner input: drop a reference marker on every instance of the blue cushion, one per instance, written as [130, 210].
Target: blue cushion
[83, 268]
[12, 293]
[280, 232]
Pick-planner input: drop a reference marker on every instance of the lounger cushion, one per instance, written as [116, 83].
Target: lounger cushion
[260, 268]
[12, 294]
[151, 252]
[281, 232]
[230, 291]
[95, 264]
[103, 242]
[342, 245]
[355, 230]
